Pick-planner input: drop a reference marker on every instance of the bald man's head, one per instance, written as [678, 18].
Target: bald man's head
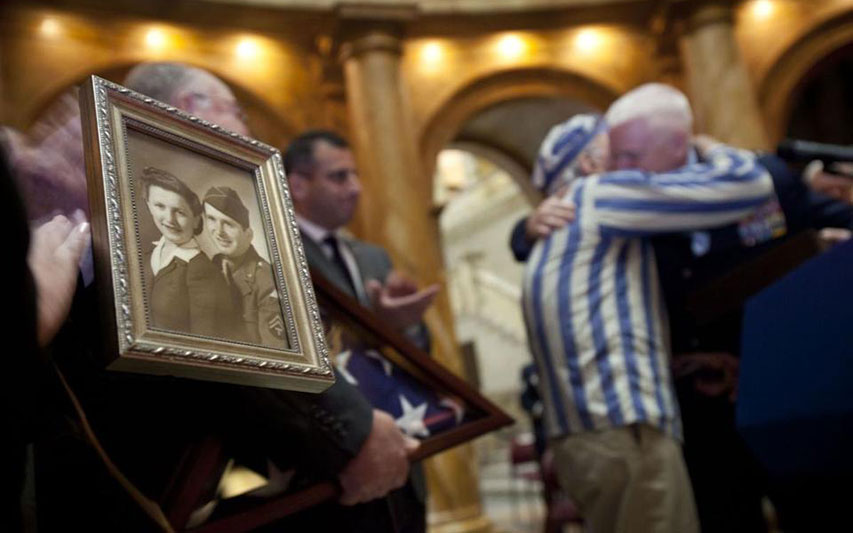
[650, 129]
[190, 89]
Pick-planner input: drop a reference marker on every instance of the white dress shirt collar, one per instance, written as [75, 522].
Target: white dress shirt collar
[316, 232]
[185, 252]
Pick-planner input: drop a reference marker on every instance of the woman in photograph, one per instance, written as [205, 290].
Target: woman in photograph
[186, 293]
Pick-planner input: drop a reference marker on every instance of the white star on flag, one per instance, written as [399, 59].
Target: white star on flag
[412, 420]
[341, 360]
[386, 364]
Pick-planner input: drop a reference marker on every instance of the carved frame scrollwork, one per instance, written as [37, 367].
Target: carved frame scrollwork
[108, 111]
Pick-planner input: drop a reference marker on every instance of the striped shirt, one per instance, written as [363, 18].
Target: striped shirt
[592, 302]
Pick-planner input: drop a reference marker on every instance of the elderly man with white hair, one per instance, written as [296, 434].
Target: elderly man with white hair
[333, 435]
[593, 307]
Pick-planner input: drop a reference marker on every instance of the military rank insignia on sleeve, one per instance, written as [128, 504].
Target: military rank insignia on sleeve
[276, 326]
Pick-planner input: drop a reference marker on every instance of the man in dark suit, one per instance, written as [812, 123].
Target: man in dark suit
[728, 481]
[43, 274]
[325, 189]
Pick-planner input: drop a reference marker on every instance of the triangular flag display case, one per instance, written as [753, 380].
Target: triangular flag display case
[344, 317]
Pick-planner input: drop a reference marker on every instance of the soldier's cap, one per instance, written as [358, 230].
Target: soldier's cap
[226, 200]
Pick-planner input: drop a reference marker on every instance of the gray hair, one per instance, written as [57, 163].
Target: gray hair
[159, 80]
[659, 103]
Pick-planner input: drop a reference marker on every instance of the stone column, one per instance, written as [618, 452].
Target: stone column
[335, 115]
[330, 83]
[723, 99]
[395, 211]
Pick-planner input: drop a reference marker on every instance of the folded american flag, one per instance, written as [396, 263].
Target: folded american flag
[419, 411]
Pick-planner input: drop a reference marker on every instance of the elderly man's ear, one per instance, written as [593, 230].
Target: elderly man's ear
[298, 186]
[185, 101]
[586, 164]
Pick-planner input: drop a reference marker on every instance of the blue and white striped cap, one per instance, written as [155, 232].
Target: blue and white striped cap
[561, 147]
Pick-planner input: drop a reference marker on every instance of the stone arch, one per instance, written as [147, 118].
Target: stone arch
[267, 123]
[518, 170]
[502, 86]
[779, 88]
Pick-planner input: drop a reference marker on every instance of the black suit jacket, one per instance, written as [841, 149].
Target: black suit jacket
[24, 364]
[681, 272]
[373, 263]
[407, 505]
[145, 423]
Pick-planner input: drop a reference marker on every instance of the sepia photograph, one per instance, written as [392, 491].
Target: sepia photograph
[204, 257]
[195, 249]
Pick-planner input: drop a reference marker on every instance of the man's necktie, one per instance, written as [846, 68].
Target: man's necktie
[339, 262]
[228, 271]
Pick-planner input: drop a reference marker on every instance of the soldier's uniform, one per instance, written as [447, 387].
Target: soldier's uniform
[250, 278]
[254, 286]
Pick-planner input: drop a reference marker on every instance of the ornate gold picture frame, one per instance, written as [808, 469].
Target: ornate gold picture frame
[199, 266]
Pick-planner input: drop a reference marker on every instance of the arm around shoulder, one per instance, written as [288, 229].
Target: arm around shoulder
[723, 189]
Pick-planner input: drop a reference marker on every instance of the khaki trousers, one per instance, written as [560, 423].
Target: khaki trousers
[628, 479]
